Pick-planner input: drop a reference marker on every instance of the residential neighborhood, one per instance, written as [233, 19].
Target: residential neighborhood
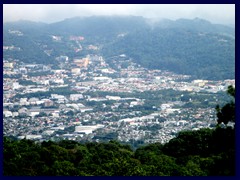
[89, 99]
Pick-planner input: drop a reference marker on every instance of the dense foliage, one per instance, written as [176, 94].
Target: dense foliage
[205, 152]
[227, 112]
[29, 49]
[209, 56]
[195, 47]
[193, 153]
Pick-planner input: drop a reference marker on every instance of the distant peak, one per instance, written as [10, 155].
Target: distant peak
[197, 19]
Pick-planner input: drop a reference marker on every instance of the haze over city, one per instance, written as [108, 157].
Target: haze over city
[49, 13]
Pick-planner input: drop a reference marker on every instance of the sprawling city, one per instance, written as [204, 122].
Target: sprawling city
[119, 90]
[86, 99]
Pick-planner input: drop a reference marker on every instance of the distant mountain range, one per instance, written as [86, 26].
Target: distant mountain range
[196, 24]
[196, 47]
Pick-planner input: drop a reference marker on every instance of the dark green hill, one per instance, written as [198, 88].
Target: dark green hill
[195, 47]
[197, 24]
[207, 56]
[193, 153]
[98, 26]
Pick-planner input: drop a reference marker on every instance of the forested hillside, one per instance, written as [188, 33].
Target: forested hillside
[194, 47]
[183, 51]
[193, 153]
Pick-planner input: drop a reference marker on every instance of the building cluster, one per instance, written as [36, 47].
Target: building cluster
[43, 102]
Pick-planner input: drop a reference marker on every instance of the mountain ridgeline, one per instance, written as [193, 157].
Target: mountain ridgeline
[194, 47]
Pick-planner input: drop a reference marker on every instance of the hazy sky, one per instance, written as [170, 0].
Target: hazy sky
[216, 13]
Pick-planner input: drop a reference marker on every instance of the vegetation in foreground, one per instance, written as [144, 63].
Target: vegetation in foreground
[206, 152]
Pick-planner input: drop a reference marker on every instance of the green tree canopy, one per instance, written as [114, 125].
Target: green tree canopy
[227, 112]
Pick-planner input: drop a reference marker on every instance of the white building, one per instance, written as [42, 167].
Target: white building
[33, 136]
[87, 129]
[23, 101]
[76, 71]
[102, 78]
[60, 98]
[7, 113]
[75, 97]
[115, 98]
[16, 85]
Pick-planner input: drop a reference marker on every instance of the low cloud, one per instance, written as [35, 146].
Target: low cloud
[216, 13]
